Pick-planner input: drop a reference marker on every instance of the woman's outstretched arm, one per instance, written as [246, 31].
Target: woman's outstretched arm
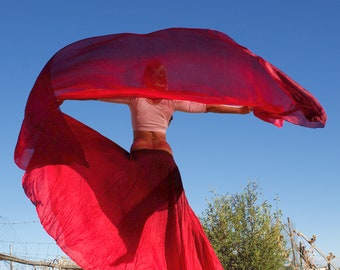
[215, 108]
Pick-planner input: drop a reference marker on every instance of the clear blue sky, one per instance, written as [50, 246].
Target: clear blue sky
[301, 166]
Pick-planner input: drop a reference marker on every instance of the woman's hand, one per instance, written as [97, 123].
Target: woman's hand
[245, 109]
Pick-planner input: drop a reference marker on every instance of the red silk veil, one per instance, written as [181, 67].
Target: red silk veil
[202, 65]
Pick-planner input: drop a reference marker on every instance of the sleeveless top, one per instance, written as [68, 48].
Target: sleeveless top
[146, 116]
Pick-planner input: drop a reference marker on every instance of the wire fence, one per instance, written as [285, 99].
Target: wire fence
[20, 255]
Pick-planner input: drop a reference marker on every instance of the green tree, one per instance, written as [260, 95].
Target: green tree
[246, 235]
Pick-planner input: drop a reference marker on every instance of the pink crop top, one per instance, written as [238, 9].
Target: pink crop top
[155, 117]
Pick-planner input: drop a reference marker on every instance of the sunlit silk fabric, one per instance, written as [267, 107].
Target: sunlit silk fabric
[202, 65]
[74, 175]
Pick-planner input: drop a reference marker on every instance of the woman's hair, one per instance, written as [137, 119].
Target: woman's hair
[155, 75]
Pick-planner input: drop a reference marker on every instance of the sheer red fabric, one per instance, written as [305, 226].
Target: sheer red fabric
[202, 65]
[106, 208]
[125, 211]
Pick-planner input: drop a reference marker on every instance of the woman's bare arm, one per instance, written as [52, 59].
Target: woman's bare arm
[228, 109]
[120, 100]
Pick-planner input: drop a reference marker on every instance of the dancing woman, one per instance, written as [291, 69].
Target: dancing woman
[167, 225]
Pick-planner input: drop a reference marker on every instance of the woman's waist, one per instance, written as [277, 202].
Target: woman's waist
[150, 140]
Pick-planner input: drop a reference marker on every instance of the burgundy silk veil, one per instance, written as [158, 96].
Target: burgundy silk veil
[202, 65]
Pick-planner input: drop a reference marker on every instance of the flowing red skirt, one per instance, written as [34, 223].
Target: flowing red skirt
[123, 211]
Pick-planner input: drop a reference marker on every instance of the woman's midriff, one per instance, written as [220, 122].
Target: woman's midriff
[150, 140]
